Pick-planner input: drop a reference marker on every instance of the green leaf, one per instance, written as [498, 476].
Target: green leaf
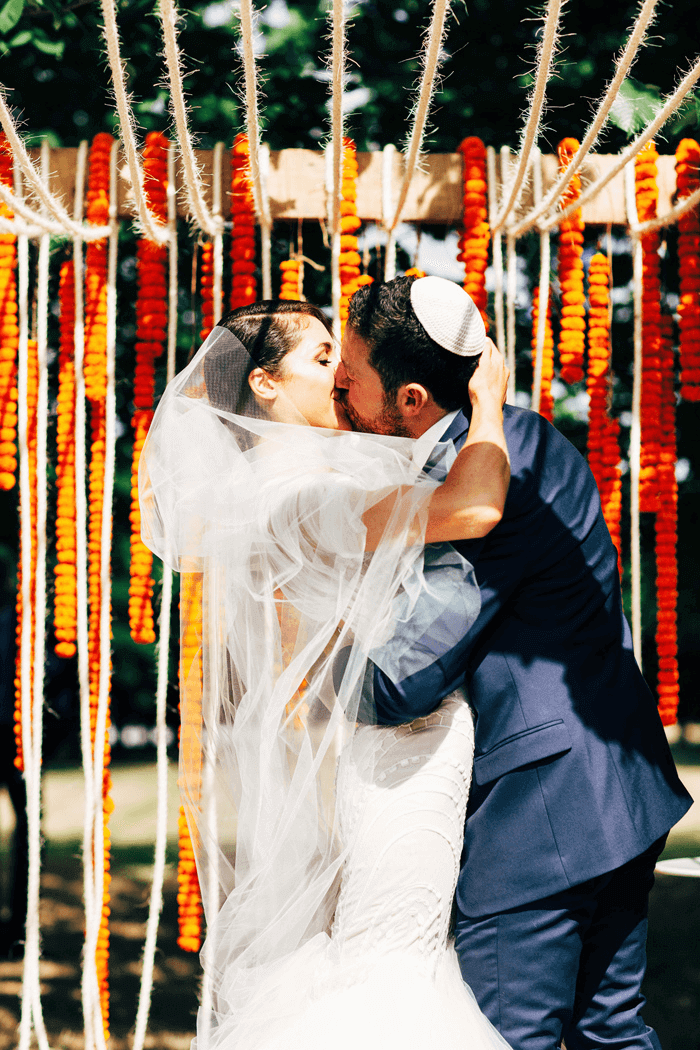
[49, 47]
[635, 106]
[10, 15]
[20, 39]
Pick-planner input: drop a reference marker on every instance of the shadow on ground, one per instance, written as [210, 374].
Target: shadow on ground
[672, 986]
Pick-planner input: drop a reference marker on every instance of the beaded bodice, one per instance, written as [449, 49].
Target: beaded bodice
[402, 793]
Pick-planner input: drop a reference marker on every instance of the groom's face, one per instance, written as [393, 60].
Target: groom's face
[359, 389]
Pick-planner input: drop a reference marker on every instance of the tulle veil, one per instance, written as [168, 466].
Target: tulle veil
[281, 607]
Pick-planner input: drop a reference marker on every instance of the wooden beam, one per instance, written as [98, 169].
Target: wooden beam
[297, 179]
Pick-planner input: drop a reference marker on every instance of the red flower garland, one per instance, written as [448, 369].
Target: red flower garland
[65, 594]
[9, 333]
[603, 431]
[546, 399]
[474, 240]
[687, 181]
[20, 700]
[244, 288]
[647, 196]
[349, 225]
[151, 334]
[666, 538]
[573, 310]
[413, 271]
[206, 286]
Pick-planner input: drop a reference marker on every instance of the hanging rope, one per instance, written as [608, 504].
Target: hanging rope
[217, 284]
[622, 67]
[208, 221]
[430, 61]
[496, 252]
[152, 228]
[262, 204]
[388, 155]
[543, 291]
[545, 55]
[629, 153]
[635, 428]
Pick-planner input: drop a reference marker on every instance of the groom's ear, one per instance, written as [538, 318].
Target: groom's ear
[412, 399]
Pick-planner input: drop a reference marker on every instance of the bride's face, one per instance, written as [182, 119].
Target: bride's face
[306, 379]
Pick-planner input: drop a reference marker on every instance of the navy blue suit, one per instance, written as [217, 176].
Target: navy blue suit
[573, 777]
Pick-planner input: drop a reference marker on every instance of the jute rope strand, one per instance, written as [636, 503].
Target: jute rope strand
[156, 899]
[622, 67]
[90, 992]
[31, 1018]
[497, 252]
[630, 152]
[543, 287]
[335, 241]
[252, 113]
[35, 182]
[218, 241]
[635, 429]
[388, 155]
[152, 229]
[266, 227]
[684, 205]
[41, 223]
[207, 220]
[17, 228]
[430, 60]
[545, 55]
[334, 155]
[511, 289]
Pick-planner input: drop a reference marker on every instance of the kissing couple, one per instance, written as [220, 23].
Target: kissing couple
[424, 778]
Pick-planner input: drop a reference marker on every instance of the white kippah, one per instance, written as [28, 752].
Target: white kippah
[449, 315]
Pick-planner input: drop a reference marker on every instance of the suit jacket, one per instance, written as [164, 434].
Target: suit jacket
[573, 775]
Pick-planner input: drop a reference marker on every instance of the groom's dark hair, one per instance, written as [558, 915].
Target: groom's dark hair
[401, 350]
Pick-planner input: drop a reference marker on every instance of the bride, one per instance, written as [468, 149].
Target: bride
[327, 847]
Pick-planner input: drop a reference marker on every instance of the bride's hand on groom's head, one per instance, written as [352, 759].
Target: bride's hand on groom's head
[490, 380]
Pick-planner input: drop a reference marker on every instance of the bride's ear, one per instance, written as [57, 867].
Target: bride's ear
[262, 384]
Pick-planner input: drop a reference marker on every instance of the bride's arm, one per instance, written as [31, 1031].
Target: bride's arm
[470, 501]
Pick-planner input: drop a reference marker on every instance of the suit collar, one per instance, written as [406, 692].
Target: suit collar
[458, 427]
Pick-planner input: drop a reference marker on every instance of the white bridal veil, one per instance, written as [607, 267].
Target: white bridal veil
[281, 606]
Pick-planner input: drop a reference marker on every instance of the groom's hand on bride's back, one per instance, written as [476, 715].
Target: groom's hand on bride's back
[490, 380]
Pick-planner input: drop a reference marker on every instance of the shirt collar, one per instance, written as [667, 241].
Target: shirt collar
[426, 442]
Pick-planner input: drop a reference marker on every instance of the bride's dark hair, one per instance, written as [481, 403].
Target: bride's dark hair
[269, 330]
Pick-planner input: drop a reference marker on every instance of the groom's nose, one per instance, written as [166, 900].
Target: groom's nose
[341, 377]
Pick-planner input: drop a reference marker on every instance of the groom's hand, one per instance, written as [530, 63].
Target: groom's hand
[490, 380]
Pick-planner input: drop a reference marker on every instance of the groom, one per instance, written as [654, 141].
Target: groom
[574, 788]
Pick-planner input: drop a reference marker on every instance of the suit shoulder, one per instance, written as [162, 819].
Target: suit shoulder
[527, 429]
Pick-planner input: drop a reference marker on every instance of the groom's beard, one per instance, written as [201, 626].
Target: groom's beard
[389, 421]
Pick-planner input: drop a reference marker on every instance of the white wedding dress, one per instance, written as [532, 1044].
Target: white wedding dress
[388, 978]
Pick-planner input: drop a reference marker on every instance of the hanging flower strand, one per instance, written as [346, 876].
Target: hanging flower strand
[20, 700]
[573, 310]
[546, 399]
[9, 333]
[244, 288]
[666, 538]
[151, 334]
[290, 270]
[474, 240]
[350, 223]
[65, 593]
[647, 195]
[603, 431]
[206, 288]
[687, 181]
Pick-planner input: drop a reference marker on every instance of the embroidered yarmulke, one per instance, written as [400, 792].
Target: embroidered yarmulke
[449, 315]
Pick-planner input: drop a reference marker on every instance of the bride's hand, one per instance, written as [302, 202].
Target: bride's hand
[490, 380]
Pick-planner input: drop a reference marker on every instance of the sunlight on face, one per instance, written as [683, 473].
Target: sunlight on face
[308, 378]
[359, 389]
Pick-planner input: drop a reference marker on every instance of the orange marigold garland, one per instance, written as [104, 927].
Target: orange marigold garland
[65, 593]
[244, 288]
[189, 898]
[349, 225]
[9, 334]
[474, 240]
[206, 286]
[666, 537]
[603, 431]
[290, 270]
[647, 196]
[687, 181]
[20, 700]
[546, 399]
[95, 371]
[573, 309]
[413, 271]
[151, 334]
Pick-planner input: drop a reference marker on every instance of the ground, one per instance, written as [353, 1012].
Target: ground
[672, 986]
